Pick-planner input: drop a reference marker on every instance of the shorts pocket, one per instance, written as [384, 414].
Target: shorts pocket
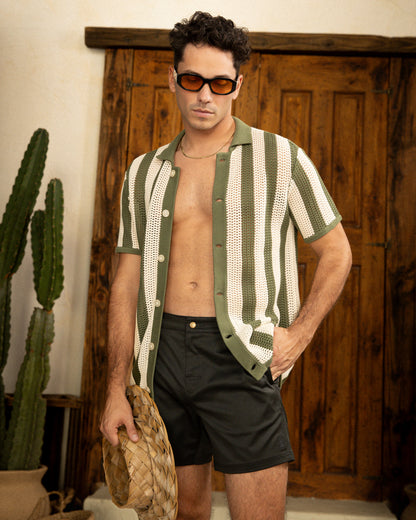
[275, 382]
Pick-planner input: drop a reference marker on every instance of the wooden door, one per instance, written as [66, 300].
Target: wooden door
[336, 109]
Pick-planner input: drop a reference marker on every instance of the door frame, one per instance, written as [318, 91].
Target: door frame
[84, 452]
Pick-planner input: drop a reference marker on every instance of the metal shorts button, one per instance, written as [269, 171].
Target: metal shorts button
[192, 324]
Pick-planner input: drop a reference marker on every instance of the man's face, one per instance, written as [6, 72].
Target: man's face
[204, 110]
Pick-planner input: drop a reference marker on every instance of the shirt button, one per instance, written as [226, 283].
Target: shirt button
[161, 258]
[172, 173]
[192, 324]
[165, 213]
[151, 346]
[157, 303]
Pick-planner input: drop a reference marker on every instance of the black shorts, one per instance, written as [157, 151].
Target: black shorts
[211, 406]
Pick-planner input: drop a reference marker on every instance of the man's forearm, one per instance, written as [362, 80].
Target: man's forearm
[121, 328]
[329, 279]
[122, 322]
[334, 264]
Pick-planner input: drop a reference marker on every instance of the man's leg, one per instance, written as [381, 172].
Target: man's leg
[194, 492]
[260, 495]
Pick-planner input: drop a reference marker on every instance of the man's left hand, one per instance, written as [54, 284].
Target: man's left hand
[288, 345]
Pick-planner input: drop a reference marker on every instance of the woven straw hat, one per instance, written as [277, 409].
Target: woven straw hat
[141, 475]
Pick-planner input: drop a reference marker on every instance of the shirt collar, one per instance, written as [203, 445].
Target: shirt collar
[242, 135]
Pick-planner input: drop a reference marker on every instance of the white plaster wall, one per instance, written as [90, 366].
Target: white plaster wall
[50, 79]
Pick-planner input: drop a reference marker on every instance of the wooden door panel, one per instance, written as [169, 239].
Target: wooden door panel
[296, 117]
[342, 385]
[333, 109]
[347, 161]
[246, 106]
[155, 117]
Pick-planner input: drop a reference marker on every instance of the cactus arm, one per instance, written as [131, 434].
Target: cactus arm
[14, 226]
[51, 273]
[37, 230]
[35, 453]
[28, 415]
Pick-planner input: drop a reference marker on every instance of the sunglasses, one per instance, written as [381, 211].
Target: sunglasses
[194, 83]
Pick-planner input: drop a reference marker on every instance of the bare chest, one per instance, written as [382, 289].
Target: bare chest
[194, 194]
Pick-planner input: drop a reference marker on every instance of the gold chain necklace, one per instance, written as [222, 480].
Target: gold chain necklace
[203, 156]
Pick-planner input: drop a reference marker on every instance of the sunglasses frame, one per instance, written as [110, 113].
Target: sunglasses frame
[178, 78]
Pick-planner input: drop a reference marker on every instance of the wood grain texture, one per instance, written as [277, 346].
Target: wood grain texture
[400, 351]
[87, 467]
[331, 107]
[110, 37]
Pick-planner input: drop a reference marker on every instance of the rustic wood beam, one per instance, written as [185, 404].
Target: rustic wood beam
[112, 37]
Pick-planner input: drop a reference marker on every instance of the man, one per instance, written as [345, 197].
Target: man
[205, 296]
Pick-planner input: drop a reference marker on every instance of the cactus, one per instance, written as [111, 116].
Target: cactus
[23, 443]
[24, 437]
[13, 233]
[47, 247]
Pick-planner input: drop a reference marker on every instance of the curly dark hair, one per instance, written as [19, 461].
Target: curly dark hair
[216, 31]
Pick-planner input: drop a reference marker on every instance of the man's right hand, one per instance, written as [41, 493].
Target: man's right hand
[117, 412]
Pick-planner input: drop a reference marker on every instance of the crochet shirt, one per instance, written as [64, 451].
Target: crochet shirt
[266, 189]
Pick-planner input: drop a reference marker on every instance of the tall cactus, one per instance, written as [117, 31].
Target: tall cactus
[13, 233]
[23, 443]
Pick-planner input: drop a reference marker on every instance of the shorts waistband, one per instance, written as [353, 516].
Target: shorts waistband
[173, 321]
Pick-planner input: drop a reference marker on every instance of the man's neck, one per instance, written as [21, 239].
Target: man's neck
[202, 142]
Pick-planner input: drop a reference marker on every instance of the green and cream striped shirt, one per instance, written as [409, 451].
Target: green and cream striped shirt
[266, 189]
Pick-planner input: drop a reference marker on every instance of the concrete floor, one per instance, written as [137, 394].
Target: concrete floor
[297, 509]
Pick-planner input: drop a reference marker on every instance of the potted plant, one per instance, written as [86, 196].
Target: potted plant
[21, 437]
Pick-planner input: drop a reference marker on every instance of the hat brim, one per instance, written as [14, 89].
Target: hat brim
[141, 475]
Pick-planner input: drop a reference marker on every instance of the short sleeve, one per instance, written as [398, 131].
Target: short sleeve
[311, 206]
[127, 235]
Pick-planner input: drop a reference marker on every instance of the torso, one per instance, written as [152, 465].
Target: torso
[189, 290]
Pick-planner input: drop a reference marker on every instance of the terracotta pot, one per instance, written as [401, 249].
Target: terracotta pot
[410, 512]
[22, 496]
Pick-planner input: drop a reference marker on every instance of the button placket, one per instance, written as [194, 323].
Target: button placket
[219, 245]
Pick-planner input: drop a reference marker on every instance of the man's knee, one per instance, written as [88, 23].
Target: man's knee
[194, 510]
[194, 492]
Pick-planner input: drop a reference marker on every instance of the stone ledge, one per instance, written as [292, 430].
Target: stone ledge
[316, 508]
[297, 508]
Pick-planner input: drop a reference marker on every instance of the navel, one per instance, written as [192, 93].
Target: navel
[194, 285]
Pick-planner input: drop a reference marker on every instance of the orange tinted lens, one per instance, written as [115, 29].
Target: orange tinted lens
[191, 82]
[221, 86]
